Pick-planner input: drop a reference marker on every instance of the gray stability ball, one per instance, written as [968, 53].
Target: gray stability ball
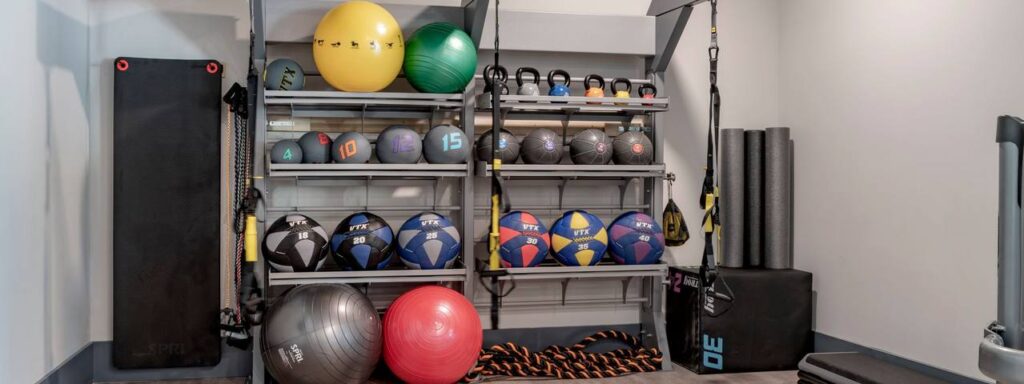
[321, 333]
[351, 148]
[286, 152]
[399, 144]
[591, 147]
[542, 146]
[446, 144]
[316, 147]
[284, 75]
[508, 145]
[632, 148]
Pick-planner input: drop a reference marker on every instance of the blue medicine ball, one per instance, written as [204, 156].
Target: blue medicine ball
[428, 241]
[635, 238]
[363, 241]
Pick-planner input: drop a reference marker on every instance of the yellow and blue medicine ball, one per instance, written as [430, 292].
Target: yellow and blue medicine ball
[358, 47]
[578, 239]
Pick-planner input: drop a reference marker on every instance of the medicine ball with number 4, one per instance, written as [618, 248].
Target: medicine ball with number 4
[445, 144]
[362, 241]
[295, 243]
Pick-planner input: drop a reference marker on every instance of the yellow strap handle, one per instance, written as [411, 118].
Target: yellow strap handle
[250, 238]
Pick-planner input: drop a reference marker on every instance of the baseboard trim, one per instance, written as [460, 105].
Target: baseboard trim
[76, 369]
[826, 343]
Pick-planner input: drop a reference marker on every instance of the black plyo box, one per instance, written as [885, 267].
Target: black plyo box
[767, 326]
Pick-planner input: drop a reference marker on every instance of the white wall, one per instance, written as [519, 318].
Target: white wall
[893, 110]
[169, 29]
[44, 316]
[748, 36]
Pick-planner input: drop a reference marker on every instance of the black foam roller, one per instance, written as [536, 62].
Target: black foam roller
[777, 199]
[732, 201]
[754, 211]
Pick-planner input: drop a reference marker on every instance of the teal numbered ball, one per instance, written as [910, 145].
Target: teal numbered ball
[286, 152]
[446, 144]
[284, 75]
[439, 58]
[351, 148]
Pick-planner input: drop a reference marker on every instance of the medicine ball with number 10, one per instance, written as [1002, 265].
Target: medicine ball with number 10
[351, 148]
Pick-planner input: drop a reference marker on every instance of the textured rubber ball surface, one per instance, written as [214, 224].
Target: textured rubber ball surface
[399, 144]
[316, 147]
[446, 144]
[632, 148]
[431, 335]
[321, 333]
[507, 143]
[542, 146]
[591, 147]
[286, 152]
[351, 148]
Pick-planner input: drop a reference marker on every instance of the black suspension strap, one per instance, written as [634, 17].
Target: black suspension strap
[572, 362]
[709, 189]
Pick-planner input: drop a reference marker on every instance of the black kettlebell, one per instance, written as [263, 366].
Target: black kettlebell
[647, 91]
[591, 91]
[621, 93]
[531, 88]
[558, 89]
[502, 75]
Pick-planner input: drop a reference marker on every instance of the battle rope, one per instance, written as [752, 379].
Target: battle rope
[572, 362]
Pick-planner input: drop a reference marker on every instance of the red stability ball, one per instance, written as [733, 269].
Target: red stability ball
[432, 335]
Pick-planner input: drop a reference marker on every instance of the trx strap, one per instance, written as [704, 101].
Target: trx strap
[573, 362]
[499, 202]
[709, 190]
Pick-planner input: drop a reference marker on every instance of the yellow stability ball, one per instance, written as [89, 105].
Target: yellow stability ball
[358, 47]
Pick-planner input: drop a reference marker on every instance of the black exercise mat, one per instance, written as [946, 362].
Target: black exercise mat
[166, 213]
[866, 369]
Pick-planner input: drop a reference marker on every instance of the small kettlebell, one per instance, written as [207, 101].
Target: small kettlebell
[597, 91]
[528, 89]
[502, 74]
[621, 93]
[558, 89]
[647, 91]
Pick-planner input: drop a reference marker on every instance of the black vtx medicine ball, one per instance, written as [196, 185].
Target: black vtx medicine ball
[295, 243]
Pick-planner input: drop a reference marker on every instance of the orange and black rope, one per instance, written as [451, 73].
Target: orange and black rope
[573, 362]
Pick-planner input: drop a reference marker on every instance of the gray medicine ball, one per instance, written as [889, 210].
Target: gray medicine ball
[321, 333]
[399, 144]
[542, 146]
[286, 152]
[591, 147]
[507, 143]
[446, 144]
[316, 147]
[284, 75]
[351, 148]
[632, 148]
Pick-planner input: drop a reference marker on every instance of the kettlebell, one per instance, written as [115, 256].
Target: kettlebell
[502, 79]
[647, 91]
[621, 93]
[558, 89]
[597, 91]
[531, 88]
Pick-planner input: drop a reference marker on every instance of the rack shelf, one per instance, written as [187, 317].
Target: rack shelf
[602, 271]
[354, 104]
[361, 277]
[422, 170]
[574, 171]
[574, 107]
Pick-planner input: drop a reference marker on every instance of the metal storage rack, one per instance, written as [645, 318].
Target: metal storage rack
[665, 21]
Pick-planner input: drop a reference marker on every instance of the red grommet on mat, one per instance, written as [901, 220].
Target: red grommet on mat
[122, 65]
[212, 68]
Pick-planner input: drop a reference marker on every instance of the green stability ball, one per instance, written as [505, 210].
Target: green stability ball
[439, 58]
[284, 75]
